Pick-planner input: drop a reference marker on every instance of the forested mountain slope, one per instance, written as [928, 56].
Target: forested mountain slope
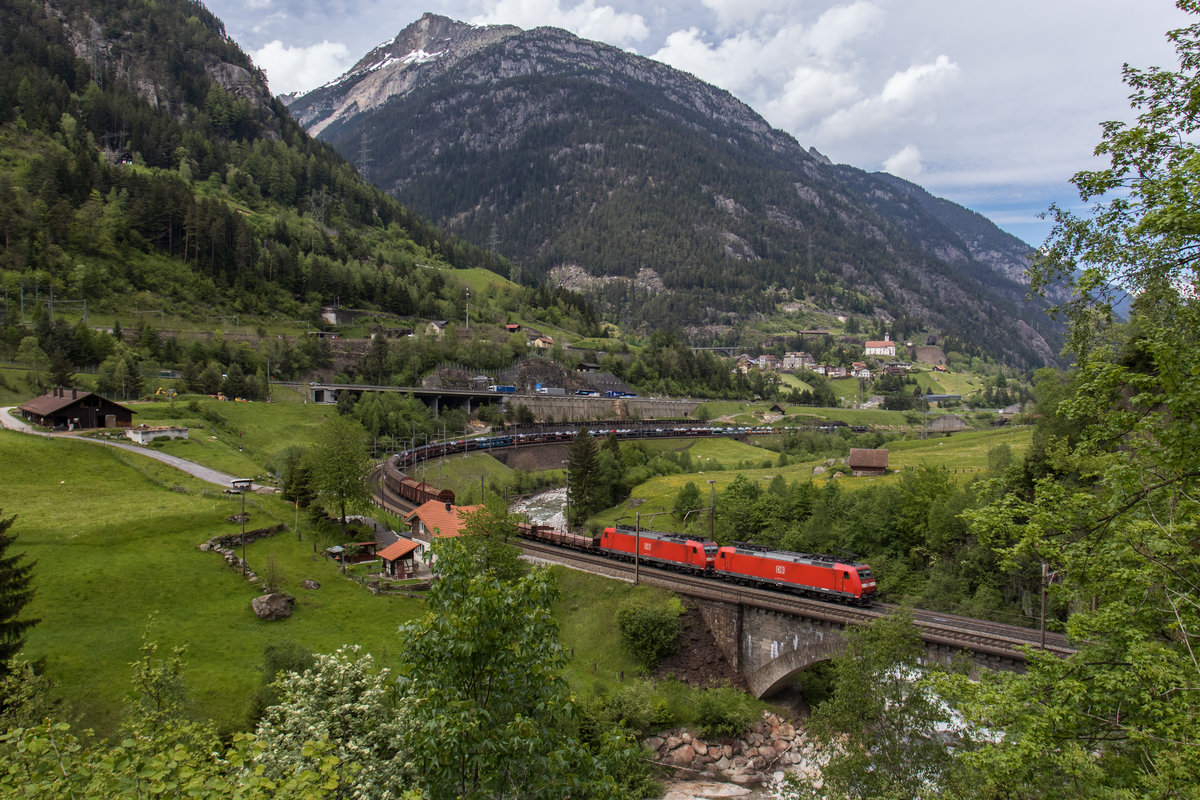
[142, 159]
[668, 200]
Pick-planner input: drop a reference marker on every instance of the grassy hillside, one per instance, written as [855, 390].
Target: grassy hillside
[237, 438]
[965, 454]
[115, 537]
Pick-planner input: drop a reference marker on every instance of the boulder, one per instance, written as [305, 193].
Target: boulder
[309, 583]
[272, 606]
[682, 756]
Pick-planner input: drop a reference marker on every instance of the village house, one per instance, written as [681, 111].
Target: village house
[859, 370]
[886, 348]
[72, 409]
[798, 361]
[437, 520]
[768, 362]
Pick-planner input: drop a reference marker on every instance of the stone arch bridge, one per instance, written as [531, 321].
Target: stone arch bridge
[770, 637]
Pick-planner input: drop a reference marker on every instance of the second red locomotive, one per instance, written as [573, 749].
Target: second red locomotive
[671, 550]
[814, 575]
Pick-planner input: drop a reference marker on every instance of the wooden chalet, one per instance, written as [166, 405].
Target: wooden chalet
[863, 461]
[71, 409]
[400, 559]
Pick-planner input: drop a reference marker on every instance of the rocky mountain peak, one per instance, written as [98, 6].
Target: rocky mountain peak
[388, 69]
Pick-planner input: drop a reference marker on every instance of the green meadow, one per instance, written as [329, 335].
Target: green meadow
[114, 537]
[964, 454]
[245, 439]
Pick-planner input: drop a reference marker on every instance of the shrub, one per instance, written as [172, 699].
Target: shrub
[633, 706]
[724, 712]
[650, 631]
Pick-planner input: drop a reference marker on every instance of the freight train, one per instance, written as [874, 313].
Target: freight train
[413, 490]
[628, 430]
[820, 576]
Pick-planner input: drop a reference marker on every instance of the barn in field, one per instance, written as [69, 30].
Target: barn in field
[862, 461]
[71, 409]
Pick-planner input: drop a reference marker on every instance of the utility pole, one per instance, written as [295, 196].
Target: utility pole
[712, 509]
[243, 486]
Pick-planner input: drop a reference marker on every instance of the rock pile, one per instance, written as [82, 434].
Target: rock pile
[762, 755]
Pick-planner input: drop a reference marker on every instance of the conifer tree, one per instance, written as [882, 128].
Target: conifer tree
[16, 590]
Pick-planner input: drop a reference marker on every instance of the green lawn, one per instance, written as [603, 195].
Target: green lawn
[964, 453]
[114, 537]
[790, 380]
[236, 438]
[461, 473]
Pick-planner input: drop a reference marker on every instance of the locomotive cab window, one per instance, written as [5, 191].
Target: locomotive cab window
[865, 574]
[845, 574]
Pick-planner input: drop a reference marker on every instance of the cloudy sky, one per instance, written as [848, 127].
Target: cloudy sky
[991, 104]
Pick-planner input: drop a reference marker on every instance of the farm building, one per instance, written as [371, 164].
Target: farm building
[72, 409]
[867, 462]
[144, 434]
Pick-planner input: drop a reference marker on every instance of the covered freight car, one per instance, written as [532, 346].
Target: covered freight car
[671, 550]
[415, 491]
[816, 575]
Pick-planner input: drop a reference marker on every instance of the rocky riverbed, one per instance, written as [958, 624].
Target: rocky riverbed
[758, 759]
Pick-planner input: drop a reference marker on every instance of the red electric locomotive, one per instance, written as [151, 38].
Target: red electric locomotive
[672, 550]
[816, 575]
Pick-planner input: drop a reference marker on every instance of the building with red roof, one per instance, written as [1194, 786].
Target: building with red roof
[436, 519]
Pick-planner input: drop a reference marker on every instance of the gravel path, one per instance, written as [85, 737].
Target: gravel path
[9, 421]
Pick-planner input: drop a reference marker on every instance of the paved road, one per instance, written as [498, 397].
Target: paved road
[10, 421]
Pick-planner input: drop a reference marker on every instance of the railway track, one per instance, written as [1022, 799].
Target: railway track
[983, 636]
[980, 636]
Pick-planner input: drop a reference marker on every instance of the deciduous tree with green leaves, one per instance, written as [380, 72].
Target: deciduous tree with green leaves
[481, 679]
[881, 726]
[1114, 510]
[339, 463]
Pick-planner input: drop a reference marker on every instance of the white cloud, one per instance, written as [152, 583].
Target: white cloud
[905, 164]
[904, 94]
[735, 13]
[291, 69]
[905, 88]
[830, 36]
[600, 23]
[736, 64]
[810, 94]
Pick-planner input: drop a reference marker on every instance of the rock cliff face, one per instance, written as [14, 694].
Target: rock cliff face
[577, 160]
[133, 61]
